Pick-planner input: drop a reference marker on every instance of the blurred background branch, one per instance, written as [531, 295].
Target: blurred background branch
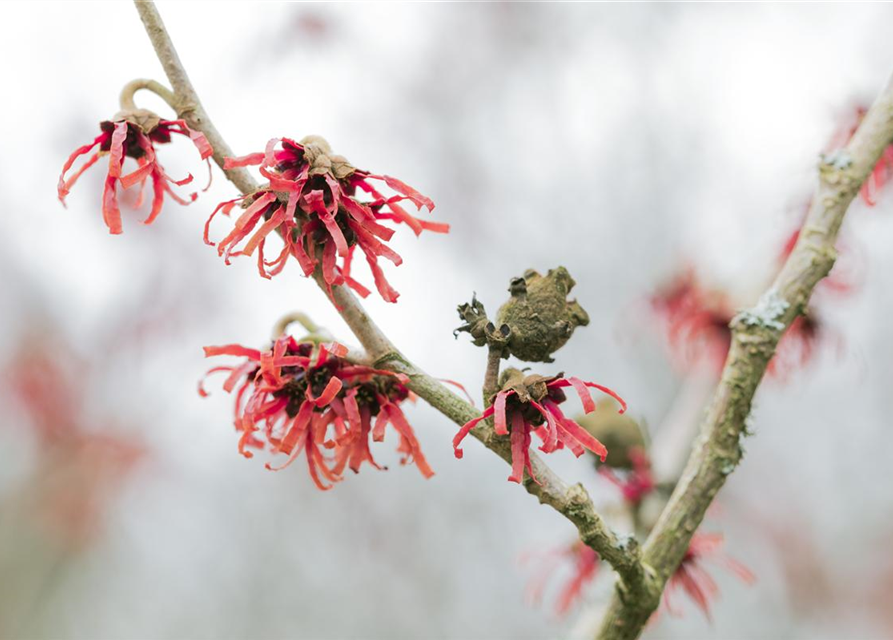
[755, 335]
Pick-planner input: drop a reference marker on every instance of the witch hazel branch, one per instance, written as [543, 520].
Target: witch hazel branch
[309, 396]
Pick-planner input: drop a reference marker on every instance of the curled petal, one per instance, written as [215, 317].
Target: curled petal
[226, 207]
[466, 429]
[232, 350]
[116, 151]
[499, 413]
[403, 427]
[243, 161]
[332, 388]
[519, 451]
[64, 185]
[111, 214]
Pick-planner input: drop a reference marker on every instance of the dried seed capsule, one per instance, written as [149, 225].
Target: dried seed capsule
[539, 315]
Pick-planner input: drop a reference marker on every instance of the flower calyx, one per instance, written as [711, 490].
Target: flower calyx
[146, 120]
[318, 154]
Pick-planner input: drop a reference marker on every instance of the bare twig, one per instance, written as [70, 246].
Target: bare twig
[491, 376]
[571, 501]
[188, 106]
[755, 335]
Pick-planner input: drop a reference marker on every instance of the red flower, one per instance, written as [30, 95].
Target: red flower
[133, 134]
[636, 483]
[693, 579]
[530, 405]
[584, 562]
[301, 397]
[322, 222]
[696, 320]
[697, 325]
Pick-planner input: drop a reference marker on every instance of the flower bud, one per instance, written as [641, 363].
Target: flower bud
[620, 433]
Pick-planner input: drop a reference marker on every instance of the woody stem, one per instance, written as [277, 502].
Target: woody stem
[571, 501]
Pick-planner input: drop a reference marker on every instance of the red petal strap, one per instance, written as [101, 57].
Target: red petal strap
[232, 350]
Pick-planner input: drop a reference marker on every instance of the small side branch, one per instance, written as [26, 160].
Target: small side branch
[491, 375]
[126, 98]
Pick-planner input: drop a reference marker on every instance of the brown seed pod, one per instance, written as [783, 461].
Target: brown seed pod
[539, 315]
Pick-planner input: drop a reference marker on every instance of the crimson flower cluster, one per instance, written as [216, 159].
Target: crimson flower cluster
[300, 396]
[529, 405]
[133, 135]
[321, 221]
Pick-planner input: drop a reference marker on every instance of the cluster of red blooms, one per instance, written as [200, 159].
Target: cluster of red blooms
[134, 135]
[531, 406]
[319, 218]
[300, 396]
[322, 222]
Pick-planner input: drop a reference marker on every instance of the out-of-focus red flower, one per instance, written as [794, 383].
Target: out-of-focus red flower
[635, 483]
[322, 222]
[528, 405]
[79, 466]
[798, 345]
[41, 381]
[584, 563]
[299, 396]
[133, 134]
[696, 320]
[81, 473]
[693, 579]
